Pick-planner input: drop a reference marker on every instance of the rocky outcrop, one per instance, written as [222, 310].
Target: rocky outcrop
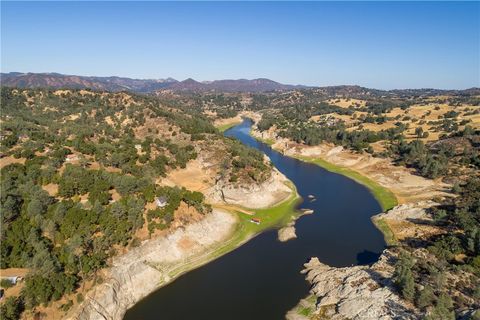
[254, 196]
[360, 292]
[410, 222]
[153, 264]
[411, 211]
[287, 233]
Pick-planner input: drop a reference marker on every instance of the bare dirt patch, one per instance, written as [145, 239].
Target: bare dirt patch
[14, 272]
[115, 195]
[194, 177]
[186, 243]
[51, 188]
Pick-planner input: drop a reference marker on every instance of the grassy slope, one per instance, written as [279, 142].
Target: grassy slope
[224, 127]
[385, 197]
[270, 142]
[306, 306]
[388, 234]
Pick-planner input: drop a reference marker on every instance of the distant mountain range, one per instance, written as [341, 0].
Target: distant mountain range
[240, 85]
[56, 80]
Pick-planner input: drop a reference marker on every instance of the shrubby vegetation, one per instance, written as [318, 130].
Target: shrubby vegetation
[91, 161]
[247, 162]
[428, 282]
[11, 308]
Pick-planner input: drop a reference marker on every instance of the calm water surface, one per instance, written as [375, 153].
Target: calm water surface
[261, 279]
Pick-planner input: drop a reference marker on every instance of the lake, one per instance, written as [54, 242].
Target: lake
[261, 279]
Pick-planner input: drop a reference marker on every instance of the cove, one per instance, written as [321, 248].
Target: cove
[261, 279]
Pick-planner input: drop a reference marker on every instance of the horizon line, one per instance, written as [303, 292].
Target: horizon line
[308, 86]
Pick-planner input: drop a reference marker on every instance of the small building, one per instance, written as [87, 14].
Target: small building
[161, 201]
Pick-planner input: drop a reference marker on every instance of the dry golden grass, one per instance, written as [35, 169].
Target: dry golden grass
[345, 103]
[5, 161]
[51, 188]
[62, 92]
[12, 272]
[375, 127]
[414, 117]
[405, 230]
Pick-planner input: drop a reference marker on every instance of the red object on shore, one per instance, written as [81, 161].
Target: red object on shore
[255, 220]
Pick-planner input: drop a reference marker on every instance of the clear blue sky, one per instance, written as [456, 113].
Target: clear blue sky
[373, 44]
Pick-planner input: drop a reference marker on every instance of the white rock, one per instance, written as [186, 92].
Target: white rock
[286, 233]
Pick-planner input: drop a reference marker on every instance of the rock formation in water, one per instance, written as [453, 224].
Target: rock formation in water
[287, 233]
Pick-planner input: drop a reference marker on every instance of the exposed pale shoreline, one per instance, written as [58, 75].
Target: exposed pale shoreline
[160, 261]
[391, 185]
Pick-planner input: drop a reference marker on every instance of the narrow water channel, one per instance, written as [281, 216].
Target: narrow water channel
[261, 279]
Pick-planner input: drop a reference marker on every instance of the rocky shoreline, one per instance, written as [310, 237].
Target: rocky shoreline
[361, 292]
[152, 265]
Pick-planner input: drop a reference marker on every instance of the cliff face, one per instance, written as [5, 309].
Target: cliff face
[153, 264]
[254, 196]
